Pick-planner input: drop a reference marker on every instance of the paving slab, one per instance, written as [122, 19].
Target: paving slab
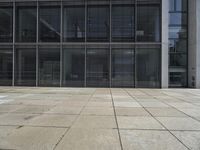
[53, 120]
[104, 111]
[165, 112]
[131, 112]
[90, 139]
[179, 123]
[99, 122]
[149, 140]
[138, 123]
[34, 138]
[190, 138]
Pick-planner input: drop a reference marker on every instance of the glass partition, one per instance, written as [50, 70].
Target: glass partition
[25, 66]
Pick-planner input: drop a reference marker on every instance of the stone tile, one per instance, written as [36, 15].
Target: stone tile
[103, 122]
[153, 104]
[34, 109]
[9, 108]
[138, 123]
[16, 119]
[65, 110]
[131, 112]
[107, 111]
[90, 139]
[99, 104]
[190, 138]
[53, 120]
[149, 140]
[32, 138]
[179, 123]
[127, 104]
[166, 112]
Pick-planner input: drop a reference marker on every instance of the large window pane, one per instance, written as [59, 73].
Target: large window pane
[74, 24]
[73, 66]
[148, 67]
[177, 77]
[6, 24]
[6, 66]
[123, 27]
[178, 19]
[26, 19]
[98, 67]
[177, 32]
[98, 26]
[49, 23]
[123, 66]
[25, 67]
[49, 66]
[177, 60]
[178, 45]
[148, 23]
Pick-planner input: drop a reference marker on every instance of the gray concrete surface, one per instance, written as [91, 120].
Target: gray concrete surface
[99, 119]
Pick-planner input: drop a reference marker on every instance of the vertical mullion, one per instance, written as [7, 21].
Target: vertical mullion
[37, 40]
[135, 47]
[85, 78]
[61, 41]
[13, 73]
[110, 40]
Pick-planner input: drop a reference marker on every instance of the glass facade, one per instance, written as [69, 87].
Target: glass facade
[82, 43]
[178, 43]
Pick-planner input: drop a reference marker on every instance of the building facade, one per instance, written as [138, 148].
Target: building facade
[100, 43]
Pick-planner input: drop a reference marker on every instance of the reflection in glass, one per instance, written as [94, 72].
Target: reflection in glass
[123, 65]
[49, 67]
[98, 26]
[98, 67]
[178, 19]
[123, 23]
[25, 67]
[177, 60]
[178, 78]
[148, 68]
[148, 23]
[73, 67]
[6, 65]
[177, 32]
[6, 24]
[49, 24]
[178, 45]
[74, 24]
[26, 24]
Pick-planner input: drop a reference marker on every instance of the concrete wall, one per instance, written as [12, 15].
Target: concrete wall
[165, 32]
[194, 44]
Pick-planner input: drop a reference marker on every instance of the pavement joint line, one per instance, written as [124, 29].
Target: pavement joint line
[182, 111]
[162, 123]
[65, 133]
[115, 115]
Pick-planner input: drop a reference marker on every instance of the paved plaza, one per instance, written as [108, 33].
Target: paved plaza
[99, 119]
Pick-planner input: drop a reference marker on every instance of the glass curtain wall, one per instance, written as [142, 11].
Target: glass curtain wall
[49, 22]
[178, 43]
[148, 21]
[123, 21]
[6, 65]
[49, 66]
[73, 66]
[6, 22]
[26, 22]
[74, 21]
[123, 66]
[98, 21]
[94, 43]
[98, 66]
[148, 66]
[25, 66]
